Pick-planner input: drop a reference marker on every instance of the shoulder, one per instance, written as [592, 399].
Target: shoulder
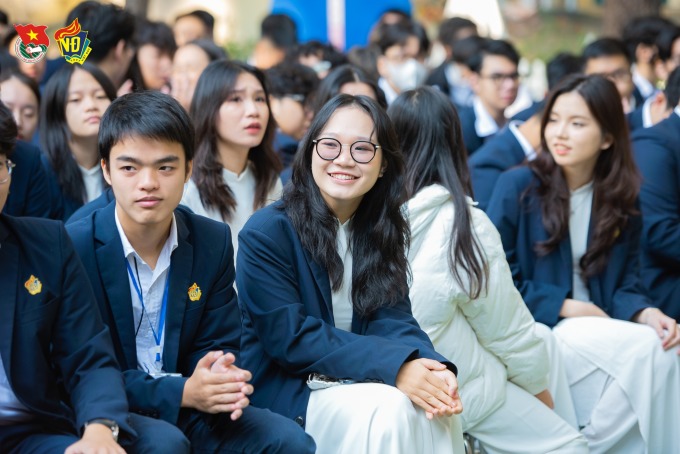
[203, 229]
[33, 231]
[516, 179]
[666, 131]
[466, 114]
[25, 153]
[272, 222]
[487, 234]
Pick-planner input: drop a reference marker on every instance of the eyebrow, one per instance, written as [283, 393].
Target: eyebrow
[164, 160]
[333, 135]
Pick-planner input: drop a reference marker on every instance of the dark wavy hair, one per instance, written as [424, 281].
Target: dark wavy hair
[54, 131]
[330, 86]
[380, 234]
[431, 139]
[214, 86]
[616, 181]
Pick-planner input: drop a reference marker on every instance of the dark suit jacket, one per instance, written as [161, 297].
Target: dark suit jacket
[437, 78]
[288, 325]
[85, 210]
[204, 256]
[28, 195]
[497, 155]
[62, 206]
[55, 338]
[635, 119]
[467, 124]
[657, 153]
[545, 282]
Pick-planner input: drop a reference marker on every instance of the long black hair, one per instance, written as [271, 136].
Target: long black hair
[432, 142]
[54, 131]
[380, 234]
[616, 181]
[214, 86]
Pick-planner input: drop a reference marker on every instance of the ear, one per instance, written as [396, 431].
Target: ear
[474, 79]
[383, 168]
[190, 168]
[607, 141]
[106, 171]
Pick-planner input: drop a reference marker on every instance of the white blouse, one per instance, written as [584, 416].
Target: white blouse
[243, 188]
[93, 180]
[342, 299]
[580, 203]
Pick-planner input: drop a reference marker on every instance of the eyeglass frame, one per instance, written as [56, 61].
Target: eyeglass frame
[9, 165]
[376, 147]
[499, 78]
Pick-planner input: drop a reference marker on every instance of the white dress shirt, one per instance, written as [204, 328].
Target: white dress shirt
[93, 180]
[485, 125]
[342, 299]
[580, 204]
[12, 410]
[528, 150]
[152, 283]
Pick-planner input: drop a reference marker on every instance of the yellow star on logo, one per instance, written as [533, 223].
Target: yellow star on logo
[33, 35]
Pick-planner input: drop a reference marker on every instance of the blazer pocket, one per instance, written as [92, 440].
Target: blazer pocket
[193, 310]
[38, 310]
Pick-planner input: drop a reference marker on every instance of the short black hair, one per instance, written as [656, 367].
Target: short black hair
[157, 33]
[205, 17]
[4, 19]
[562, 65]
[212, 50]
[325, 52]
[449, 30]
[7, 62]
[605, 47]
[665, 42]
[147, 114]
[280, 30]
[388, 35]
[291, 78]
[488, 47]
[672, 90]
[465, 48]
[8, 131]
[643, 30]
[106, 24]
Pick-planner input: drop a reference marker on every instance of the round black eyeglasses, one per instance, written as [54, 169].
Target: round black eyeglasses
[361, 151]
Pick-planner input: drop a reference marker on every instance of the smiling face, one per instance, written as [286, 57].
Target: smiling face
[147, 177]
[24, 106]
[86, 102]
[242, 118]
[343, 182]
[574, 137]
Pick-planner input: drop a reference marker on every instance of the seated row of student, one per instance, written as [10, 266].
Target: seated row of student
[464, 298]
[657, 154]
[237, 170]
[75, 99]
[322, 282]
[163, 279]
[60, 386]
[571, 232]
[151, 66]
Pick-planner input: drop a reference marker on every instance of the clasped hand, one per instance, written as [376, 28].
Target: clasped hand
[431, 386]
[218, 386]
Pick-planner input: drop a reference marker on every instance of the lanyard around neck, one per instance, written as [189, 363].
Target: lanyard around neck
[161, 323]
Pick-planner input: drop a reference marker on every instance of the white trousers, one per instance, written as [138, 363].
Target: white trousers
[625, 388]
[374, 418]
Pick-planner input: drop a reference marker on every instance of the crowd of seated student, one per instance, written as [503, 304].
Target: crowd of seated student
[407, 244]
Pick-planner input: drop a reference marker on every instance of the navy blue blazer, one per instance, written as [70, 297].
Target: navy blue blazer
[533, 109]
[467, 124]
[634, 119]
[28, 195]
[497, 155]
[545, 282]
[54, 339]
[288, 325]
[62, 206]
[657, 153]
[85, 210]
[204, 256]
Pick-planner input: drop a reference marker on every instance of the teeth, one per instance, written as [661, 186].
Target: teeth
[342, 176]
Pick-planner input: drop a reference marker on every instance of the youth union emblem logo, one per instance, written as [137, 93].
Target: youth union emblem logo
[73, 43]
[32, 44]
[194, 292]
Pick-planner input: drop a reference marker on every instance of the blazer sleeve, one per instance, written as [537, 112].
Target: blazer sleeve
[483, 174]
[659, 197]
[629, 297]
[505, 210]
[501, 320]
[270, 291]
[82, 348]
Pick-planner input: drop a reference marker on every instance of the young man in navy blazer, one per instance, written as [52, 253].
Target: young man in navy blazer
[164, 281]
[60, 387]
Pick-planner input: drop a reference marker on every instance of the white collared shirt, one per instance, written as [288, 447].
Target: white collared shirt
[12, 410]
[152, 285]
[645, 87]
[342, 299]
[93, 180]
[485, 125]
[528, 150]
[580, 205]
[390, 93]
[677, 111]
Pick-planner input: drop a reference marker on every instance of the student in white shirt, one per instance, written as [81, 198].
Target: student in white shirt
[236, 170]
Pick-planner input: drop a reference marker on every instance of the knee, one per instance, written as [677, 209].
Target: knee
[392, 408]
[164, 437]
[292, 439]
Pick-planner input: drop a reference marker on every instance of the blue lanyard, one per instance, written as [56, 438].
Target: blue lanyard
[164, 306]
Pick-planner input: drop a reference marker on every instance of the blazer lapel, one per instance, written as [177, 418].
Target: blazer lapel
[181, 269]
[323, 283]
[110, 260]
[9, 270]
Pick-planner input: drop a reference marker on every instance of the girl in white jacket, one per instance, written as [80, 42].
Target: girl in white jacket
[463, 295]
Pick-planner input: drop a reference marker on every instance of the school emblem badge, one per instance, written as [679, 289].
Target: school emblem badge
[31, 47]
[33, 285]
[73, 43]
[194, 292]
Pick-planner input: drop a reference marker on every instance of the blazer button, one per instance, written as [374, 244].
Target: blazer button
[300, 420]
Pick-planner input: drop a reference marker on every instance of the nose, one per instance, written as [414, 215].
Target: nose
[148, 180]
[17, 117]
[345, 157]
[88, 103]
[252, 109]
